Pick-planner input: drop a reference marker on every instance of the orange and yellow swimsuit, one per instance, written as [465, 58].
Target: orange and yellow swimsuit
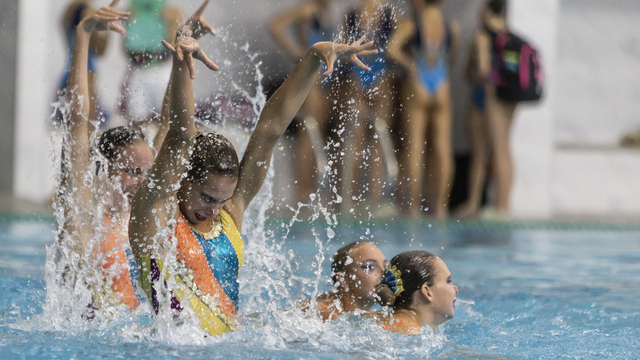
[207, 275]
[116, 265]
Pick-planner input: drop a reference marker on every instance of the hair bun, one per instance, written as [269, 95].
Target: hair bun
[392, 278]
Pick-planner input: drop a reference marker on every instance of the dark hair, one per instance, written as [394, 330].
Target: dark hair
[498, 7]
[416, 268]
[213, 154]
[340, 258]
[113, 140]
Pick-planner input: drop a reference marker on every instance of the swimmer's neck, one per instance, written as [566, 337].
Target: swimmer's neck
[419, 317]
[350, 302]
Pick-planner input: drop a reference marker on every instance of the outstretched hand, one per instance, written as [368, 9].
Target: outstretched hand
[187, 49]
[104, 19]
[329, 52]
[198, 25]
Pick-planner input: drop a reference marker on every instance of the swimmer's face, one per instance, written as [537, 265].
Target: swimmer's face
[365, 272]
[131, 166]
[202, 200]
[443, 293]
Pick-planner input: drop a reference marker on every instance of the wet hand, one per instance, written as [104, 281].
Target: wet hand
[198, 25]
[186, 49]
[104, 19]
[384, 295]
[329, 52]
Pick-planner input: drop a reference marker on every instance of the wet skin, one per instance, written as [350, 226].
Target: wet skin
[201, 201]
[131, 166]
[364, 273]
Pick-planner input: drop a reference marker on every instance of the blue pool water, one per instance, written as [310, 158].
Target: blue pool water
[525, 293]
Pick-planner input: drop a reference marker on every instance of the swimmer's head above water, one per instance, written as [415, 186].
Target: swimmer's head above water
[424, 292]
[356, 272]
[129, 157]
[211, 179]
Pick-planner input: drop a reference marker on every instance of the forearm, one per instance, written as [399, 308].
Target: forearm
[78, 86]
[182, 109]
[274, 120]
[165, 116]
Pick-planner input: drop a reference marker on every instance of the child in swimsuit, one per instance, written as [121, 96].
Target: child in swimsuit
[356, 271]
[198, 190]
[424, 292]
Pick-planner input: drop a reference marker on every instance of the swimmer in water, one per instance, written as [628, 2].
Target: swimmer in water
[125, 158]
[198, 190]
[356, 272]
[424, 292]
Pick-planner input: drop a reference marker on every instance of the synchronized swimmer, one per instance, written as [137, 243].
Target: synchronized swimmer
[192, 197]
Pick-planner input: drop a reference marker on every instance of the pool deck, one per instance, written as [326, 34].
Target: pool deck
[15, 209]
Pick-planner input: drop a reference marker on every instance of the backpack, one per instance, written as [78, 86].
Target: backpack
[516, 69]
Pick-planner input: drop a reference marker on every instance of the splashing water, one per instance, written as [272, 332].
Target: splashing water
[270, 281]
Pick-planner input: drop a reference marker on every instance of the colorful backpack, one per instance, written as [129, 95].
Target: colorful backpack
[516, 69]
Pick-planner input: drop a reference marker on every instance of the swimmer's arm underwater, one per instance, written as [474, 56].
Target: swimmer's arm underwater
[75, 153]
[278, 113]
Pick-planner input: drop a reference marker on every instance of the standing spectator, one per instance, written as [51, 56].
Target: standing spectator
[425, 46]
[143, 87]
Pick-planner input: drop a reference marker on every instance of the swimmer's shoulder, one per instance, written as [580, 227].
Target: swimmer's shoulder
[405, 327]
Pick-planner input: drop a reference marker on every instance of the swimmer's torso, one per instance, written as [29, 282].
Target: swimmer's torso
[206, 276]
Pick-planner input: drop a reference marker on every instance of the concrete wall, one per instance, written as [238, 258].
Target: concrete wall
[8, 44]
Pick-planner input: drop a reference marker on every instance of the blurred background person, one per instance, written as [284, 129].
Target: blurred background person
[148, 69]
[73, 14]
[295, 30]
[476, 126]
[370, 161]
[510, 69]
[425, 45]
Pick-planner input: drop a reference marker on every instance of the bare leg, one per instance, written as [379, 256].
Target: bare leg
[441, 170]
[412, 162]
[306, 164]
[499, 117]
[382, 103]
[477, 136]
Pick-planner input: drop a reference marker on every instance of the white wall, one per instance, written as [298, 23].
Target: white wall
[598, 71]
[532, 138]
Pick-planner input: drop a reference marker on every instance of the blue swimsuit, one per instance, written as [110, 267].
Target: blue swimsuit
[378, 62]
[432, 77]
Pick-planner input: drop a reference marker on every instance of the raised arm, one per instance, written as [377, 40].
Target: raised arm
[75, 153]
[278, 113]
[151, 204]
[199, 27]
[280, 28]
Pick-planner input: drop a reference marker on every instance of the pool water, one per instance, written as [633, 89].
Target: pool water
[524, 293]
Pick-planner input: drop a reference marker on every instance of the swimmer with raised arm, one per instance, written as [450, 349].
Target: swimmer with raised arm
[125, 157]
[356, 272]
[198, 191]
[424, 292]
